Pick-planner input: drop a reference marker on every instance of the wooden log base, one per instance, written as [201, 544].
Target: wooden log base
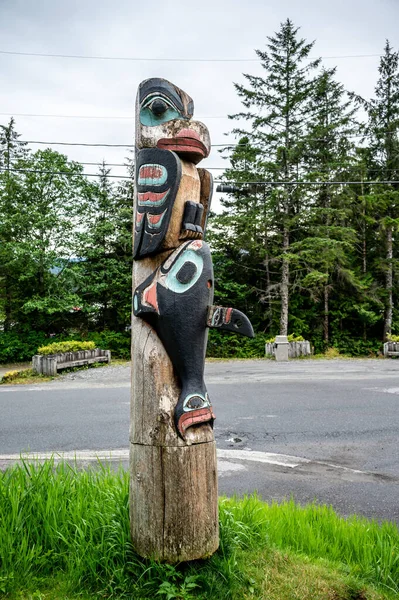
[173, 501]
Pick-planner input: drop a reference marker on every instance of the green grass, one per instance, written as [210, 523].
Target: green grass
[64, 533]
[23, 377]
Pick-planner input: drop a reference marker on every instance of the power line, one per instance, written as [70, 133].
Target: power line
[77, 144]
[138, 59]
[305, 182]
[68, 173]
[94, 117]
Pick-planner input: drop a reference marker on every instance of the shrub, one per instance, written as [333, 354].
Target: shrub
[332, 353]
[20, 347]
[291, 338]
[69, 346]
[118, 343]
[10, 376]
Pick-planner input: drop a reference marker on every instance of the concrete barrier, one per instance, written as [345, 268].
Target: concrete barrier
[295, 349]
[391, 349]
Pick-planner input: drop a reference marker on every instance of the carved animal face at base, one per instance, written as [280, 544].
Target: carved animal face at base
[164, 120]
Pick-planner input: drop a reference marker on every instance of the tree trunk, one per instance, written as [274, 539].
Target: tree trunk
[326, 317]
[285, 275]
[7, 306]
[388, 286]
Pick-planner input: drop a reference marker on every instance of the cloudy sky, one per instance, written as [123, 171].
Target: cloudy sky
[96, 97]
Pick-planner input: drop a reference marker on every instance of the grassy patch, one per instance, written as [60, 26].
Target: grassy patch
[23, 376]
[28, 376]
[64, 533]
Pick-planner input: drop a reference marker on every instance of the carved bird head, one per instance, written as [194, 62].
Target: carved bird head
[164, 120]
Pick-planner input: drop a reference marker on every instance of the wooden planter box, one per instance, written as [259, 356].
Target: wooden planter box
[49, 364]
[295, 349]
[391, 349]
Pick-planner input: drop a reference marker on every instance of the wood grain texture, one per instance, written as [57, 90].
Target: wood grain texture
[173, 508]
[173, 482]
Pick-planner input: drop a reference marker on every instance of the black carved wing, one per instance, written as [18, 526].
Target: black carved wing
[158, 175]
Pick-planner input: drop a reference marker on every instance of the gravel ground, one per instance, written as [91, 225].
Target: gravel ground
[101, 375]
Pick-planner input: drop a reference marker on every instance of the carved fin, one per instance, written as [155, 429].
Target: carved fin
[230, 319]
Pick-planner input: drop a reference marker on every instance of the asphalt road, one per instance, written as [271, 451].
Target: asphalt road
[333, 424]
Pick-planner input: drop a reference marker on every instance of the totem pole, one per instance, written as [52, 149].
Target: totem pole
[173, 476]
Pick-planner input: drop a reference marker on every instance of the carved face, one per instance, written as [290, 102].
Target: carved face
[164, 120]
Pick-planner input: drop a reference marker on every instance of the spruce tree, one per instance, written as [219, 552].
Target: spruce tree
[277, 110]
[11, 217]
[328, 237]
[383, 164]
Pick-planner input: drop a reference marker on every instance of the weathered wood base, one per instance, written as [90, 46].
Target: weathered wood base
[173, 501]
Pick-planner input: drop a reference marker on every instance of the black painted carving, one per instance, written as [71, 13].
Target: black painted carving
[158, 174]
[230, 319]
[175, 301]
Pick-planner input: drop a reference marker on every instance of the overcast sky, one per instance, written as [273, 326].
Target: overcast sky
[207, 29]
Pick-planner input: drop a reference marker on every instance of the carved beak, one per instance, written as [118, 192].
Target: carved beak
[186, 142]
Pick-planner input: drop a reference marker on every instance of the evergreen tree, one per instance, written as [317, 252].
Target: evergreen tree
[383, 164]
[277, 109]
[328, 236]
[11, 151]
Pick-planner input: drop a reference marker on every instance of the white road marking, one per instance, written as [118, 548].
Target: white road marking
[226, 458]
[123, 454]
[282, 460]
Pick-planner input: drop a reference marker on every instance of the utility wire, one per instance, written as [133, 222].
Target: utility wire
[68, 173]
[137, 59]
[100, 145]
[305, 182]
[116, 117]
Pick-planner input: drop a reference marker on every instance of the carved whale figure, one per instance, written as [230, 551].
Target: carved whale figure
[176, 300]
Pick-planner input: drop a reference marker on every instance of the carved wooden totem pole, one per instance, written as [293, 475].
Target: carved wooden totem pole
[173, 476]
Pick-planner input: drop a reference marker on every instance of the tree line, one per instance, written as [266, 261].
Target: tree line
[305, 243]
[306, 240]
[65, 243]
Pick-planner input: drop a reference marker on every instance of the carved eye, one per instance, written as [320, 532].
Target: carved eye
[185, 272]
[158, 106]
[157, 109]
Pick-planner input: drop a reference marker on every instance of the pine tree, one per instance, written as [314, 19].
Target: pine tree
[328, 237]
[277, 109]
[11, 151]
[383, 164]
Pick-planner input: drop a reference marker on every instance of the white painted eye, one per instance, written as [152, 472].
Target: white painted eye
[185, 272]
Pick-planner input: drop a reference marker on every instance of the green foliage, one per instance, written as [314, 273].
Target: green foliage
[62, 526]
[22, 376]
[70, 346]
[10, 376]
[292, 337]
[20, 347]
[230, 345]
[118, 343]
